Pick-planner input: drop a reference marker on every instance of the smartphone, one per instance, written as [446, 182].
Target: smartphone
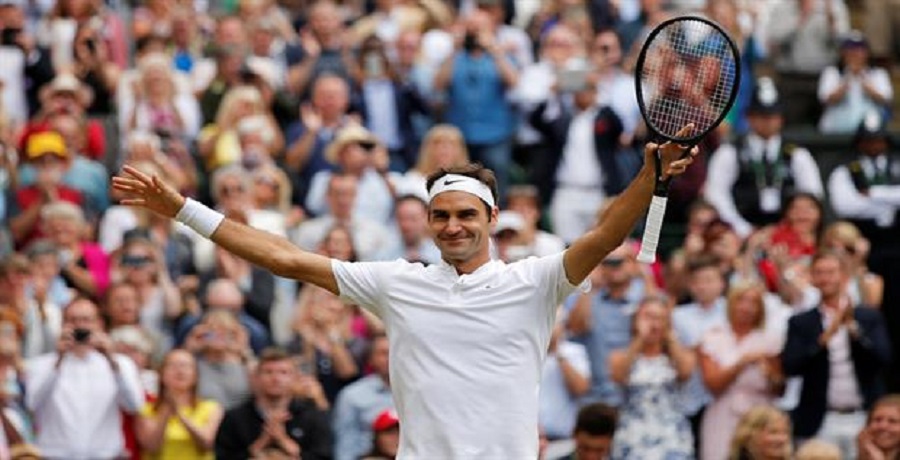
[81, 335]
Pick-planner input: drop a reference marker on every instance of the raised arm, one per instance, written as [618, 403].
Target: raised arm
[625, 210]
[259, 247]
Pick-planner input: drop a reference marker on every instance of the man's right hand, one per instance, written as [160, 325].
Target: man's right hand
[148, 192]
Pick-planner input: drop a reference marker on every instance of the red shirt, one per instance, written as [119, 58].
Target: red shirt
[29, 196]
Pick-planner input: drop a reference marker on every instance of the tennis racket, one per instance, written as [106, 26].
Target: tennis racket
[688, 72]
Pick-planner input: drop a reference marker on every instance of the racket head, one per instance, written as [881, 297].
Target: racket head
[688, 71]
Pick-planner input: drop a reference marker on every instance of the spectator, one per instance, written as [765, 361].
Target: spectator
[477, 78]
[792, 240]
[386, 432]
[226, 295]
[749, 181]
[615, 87]
[581, 170]
[368, 237]
[326, 48]
[851, 89]
[66, 95]
[816, 449]
[387, 104]
[442, 147]
[179, 425]
[76, 393]
[512, 40]
[802, 39]
[691, 322]
[507, 237]
[602, 319]
[593, 433]
[83, 264]
[273, 418]
[526, 200]
[413, 241]
[650, 424]
[137, 344]
[159, 105]
[320, 121]
[360, 405]
[325, 340]
[866, 287]
[122, 307]
[739, 363]
[764, 432]
[41, 318]
[47, 151]
[94, 66]
[13, 413]
[840, 351]
[219, 142]
[272, 200]
[566, 377]
[880, 439]
[27, 66]
[358, 153]
[142, 265]
[224, 358]
[413, 70]
[558, 46]
[866, 191]
[652, 12]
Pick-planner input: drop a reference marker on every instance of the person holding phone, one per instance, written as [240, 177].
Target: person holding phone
[82, 389]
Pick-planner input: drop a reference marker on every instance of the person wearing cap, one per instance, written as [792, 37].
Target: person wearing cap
[507, 236]
[526, 200]
[48, 154]
[852, 88]
[467, 336]
[751, 179]
[358, 153]
[866, 191]
[386, 428]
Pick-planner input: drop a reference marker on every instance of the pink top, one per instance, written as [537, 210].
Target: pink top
[97, 263]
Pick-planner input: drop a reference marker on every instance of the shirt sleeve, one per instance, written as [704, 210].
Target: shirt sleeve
[551, 272]
[848, 202]
[723, 170]
[828, 82]
[806, 172]
[362, 283]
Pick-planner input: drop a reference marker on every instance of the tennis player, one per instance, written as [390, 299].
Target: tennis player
[468, 336]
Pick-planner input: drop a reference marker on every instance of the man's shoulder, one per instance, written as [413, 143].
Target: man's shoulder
[804, 319]
[867, 314]
[243, 412]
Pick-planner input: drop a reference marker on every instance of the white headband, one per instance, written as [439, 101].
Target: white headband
[458, 183]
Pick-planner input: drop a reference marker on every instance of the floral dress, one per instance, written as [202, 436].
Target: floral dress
[650, 425]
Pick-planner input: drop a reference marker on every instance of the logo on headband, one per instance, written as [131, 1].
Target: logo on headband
[451, 182]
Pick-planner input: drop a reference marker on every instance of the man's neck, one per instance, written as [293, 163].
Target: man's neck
[618, 291]
[707, 304]
[832, 303]
[273, 404]
[469, 266]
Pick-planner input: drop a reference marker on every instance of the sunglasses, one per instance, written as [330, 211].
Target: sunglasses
[136, 261]
[366, 145]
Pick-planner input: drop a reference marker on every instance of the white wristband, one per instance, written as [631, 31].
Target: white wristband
[199, 217]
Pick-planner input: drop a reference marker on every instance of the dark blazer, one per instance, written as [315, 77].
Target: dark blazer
[802, 356]
[618, 165]
[407, 101]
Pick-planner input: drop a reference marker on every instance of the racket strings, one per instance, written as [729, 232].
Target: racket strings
[688, 76]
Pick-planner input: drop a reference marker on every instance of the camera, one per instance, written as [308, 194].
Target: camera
[81, 335]
[573, 76]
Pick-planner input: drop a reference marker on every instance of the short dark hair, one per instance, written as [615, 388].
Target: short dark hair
[701, 262]
[409, 197]
[830, 254]
[271, 355]
[596, 419]
[474, 170]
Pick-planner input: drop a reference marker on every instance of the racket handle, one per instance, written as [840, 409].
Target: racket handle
[652, 229]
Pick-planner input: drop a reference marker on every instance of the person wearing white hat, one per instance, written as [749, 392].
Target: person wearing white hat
[467, 336]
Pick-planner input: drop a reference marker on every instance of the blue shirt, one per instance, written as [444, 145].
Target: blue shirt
[691, 322]
[476, 100]
[610, 330]
[357, 406]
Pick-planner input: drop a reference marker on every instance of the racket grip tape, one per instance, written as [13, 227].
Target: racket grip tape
[652, 229]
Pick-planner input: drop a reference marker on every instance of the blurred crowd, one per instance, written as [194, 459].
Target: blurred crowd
[770, 322]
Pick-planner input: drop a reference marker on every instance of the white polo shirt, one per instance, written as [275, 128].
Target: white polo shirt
[466, 351]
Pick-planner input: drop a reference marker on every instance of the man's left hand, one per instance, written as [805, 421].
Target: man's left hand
[672, 155]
